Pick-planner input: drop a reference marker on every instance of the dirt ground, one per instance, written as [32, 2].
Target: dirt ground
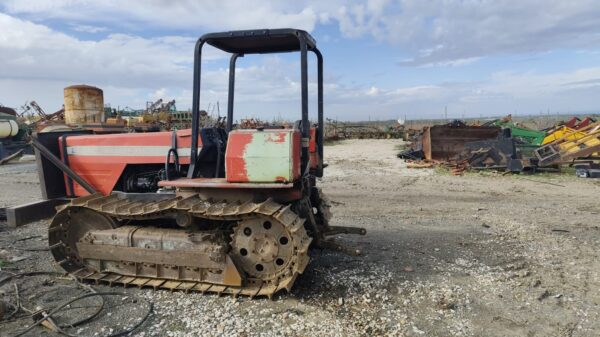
[477, 255]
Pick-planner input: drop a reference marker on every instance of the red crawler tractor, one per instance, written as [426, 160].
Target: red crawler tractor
[227, 211]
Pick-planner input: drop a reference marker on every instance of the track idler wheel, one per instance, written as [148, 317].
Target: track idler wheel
[67, 227]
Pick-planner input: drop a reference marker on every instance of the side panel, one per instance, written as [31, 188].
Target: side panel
[101, 159]
[263, 156]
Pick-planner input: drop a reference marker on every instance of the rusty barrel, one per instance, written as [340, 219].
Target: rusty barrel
[84, 104]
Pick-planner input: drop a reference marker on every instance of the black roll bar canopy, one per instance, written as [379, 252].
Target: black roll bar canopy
[261, 41]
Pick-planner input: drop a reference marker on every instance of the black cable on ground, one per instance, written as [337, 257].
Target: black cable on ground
[19, 306]
[90, 317]
[60, 307]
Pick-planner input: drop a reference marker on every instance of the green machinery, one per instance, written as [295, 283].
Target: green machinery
[525, 135]
[527, 139]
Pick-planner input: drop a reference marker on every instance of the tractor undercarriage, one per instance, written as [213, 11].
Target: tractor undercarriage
[251, 249]
[184, 243]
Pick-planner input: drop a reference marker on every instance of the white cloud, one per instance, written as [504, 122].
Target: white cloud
[37, 61]
[447, 63]
[89, 29]
[187, 14]
[544, 85]
[158, 94]
[31, 50]
[131, 69]
[373, 91]
[438, 32]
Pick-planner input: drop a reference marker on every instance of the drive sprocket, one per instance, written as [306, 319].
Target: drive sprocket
[267, 250]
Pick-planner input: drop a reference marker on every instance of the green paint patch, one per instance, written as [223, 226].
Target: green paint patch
[269, 157]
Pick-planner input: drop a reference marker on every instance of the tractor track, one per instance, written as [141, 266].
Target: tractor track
[120, 208]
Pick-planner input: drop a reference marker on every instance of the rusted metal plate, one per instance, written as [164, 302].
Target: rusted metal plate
[97, 276]
[140, 281]
[263, 156]
[202, 287]
[111, 278]
[186, 286]
[23, 214]
[127, 280]
[443, 142]
[155, 283]
[171, 285]
[84, 104]
[190, 258]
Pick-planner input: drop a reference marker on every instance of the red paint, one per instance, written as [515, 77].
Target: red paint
[103, 176]
[585, 122]
[296, 153]
[103, 172]
[314, 160]
[235, 164]
[276, 137]
[312, 143]
[312, 149]
[572, 122]
[184, 139]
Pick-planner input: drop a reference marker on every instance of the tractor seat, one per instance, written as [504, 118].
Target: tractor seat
[211, 159]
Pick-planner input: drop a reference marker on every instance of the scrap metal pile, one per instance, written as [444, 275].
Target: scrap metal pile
[336, 130]
[507, 146]
[14, 135]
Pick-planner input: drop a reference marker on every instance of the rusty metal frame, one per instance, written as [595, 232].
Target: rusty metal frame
[219, 40]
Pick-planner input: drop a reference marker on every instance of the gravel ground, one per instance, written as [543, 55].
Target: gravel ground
[477, 255]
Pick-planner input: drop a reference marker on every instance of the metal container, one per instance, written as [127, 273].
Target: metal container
[84, 104]
[443, 142]
[8, 128]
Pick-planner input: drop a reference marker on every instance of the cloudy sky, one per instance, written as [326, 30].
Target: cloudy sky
[383, 59]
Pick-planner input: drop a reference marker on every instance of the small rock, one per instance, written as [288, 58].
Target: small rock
[544, 295]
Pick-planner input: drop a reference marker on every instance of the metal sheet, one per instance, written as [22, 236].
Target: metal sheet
[263, 156]
[34, 211]
[443, 142]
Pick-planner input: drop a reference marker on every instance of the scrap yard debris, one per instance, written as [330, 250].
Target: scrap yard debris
[507, 146]
[336, 130]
